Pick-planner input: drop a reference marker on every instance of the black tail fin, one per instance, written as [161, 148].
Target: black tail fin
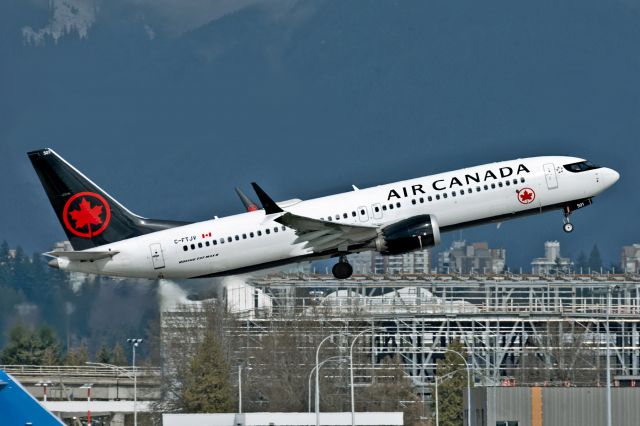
[89, 216]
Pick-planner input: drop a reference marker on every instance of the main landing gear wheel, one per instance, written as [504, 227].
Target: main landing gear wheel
[343, 269]
[567, 227]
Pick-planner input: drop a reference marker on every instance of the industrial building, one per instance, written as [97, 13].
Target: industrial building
[525, 330]
[552, 262]
[551, 406]
[630, 259]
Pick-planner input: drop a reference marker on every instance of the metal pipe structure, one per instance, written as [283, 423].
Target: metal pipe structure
[353, 401]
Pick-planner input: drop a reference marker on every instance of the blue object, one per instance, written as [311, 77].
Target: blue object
[19, 408]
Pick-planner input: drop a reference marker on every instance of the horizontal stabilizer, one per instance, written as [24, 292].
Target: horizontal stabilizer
[82, 255]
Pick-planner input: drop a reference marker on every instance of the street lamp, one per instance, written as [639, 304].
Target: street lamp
[435, 380]
[44, 384]
[468, 382]
[608, 358]
[317, 368]
[134, 344]
[88, 387]
[317, 381]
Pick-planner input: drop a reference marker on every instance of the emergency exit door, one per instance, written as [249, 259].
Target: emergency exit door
[156, 256]
[550, 176]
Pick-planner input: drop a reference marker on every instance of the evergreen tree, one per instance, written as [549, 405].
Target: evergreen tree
[103, 355]
[595, 260]
[31, 347]
[78, 356]
[118, 356]
[206, 387]
[582, 263]
[451, 385]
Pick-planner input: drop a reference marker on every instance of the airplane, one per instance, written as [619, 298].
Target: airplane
[395, 218]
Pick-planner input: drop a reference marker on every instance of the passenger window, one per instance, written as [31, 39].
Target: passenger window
[215, 242]
[221, 240]
[486, 187]
[469, 190]
[229, 239]
[237, 238]
[478, 189]
[398, 205]
[337, 217]
[453, 193]
[199, 245]
[193, 246]
[413, 202]
[384, 208]
[508, 183]
[244, 236]
[421, 200]
[429, 198]
[329, 219]
[206, 243]
[390, 206]
[259, 233]
[362, 212]
[275, 229]
[515, 181]
[251, 234]
[353, 214]
[444, 195]
[185, 248]
[267, 231]
[377, 209]
[522, 179]
[493, 186]
[462, 192]
[437, 196]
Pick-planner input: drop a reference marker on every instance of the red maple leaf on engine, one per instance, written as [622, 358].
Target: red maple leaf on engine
[525, 196]
[86, 215]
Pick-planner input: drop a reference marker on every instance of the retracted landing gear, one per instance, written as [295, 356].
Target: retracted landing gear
[567, 225]
[343, 269]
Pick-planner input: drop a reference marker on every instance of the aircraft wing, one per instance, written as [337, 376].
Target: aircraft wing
[318, 234]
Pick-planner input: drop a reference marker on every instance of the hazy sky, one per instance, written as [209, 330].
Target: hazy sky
[169, 105]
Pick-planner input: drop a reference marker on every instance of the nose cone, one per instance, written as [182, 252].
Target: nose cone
[610, 177]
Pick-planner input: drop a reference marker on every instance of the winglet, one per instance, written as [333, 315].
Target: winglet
[246, 201]
[270, 206]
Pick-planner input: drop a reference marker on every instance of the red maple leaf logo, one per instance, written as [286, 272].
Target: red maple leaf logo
[525, 196]
[86, 215]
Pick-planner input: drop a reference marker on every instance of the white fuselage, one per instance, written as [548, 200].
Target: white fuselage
[250, 241]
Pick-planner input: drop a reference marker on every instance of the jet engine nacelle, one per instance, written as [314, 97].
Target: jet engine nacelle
[416, 233]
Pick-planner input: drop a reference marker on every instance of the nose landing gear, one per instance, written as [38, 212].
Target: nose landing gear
[343, 269]
[567, 225]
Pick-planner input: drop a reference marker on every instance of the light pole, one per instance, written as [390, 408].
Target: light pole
[435, 380]
[468, 382]
[88, 387]
[134, 344]
[317, 368]
[608, 358]
[317, 396]
[44, 384]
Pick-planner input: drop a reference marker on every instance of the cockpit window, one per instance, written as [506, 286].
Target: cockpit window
[582, 166]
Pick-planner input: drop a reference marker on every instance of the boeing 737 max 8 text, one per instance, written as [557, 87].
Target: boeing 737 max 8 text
[400, 217]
